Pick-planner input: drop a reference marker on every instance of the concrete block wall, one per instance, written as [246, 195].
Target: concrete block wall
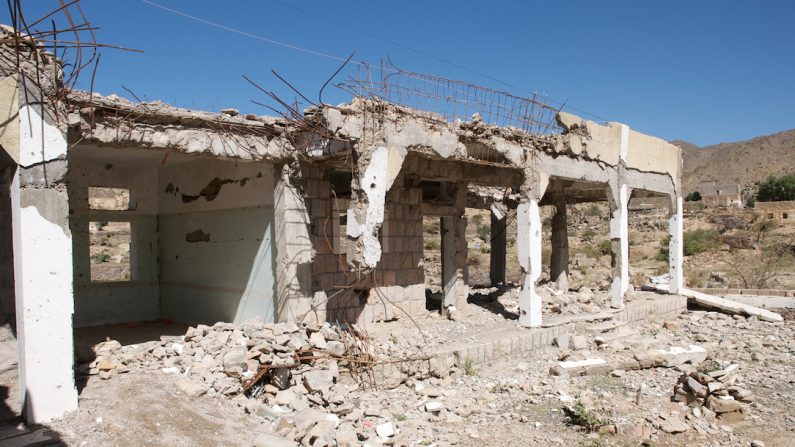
[395, 287]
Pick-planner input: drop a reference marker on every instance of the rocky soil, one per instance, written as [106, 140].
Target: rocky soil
[194, 389]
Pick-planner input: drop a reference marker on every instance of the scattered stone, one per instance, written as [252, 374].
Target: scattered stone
[385, 430]
[189, 387]
[273, 441]
[719, 405]
[318, 379]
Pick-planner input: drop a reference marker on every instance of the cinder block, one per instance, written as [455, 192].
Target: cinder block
[389, 277]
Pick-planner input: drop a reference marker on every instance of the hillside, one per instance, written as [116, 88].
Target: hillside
[743, 162]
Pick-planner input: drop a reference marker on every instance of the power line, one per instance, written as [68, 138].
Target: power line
[563, 104]
[425, 54]
[247, 34]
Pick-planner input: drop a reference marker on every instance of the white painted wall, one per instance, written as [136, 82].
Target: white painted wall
[231, 276]
[125, 301]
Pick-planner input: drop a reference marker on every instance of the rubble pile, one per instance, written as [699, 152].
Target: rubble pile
[287, 374]
[220, 359]
[582, 301]
[717, 391]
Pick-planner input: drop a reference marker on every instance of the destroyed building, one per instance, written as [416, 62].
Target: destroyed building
[717, 194]
[315, 216]
[783, 211]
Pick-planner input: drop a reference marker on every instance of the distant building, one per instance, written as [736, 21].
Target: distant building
[784, 210]
[714, 194]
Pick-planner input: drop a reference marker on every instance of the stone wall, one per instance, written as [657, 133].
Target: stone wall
[784, 210]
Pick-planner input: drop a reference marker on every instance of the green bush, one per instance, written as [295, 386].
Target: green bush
[588, 234]
[605, 247]
[431, 244]
[593, 210]
[483, 232]
[694, 196]
[100, 258]
[775, 189]
[751, 202]
[696, 241]
[701, 240]
[591, 251]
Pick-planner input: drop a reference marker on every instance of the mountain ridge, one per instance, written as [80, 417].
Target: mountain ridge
[745, 162]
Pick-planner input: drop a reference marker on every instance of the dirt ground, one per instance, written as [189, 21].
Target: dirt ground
[512, 401]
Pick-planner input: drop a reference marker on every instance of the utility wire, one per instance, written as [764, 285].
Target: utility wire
[247, 34]
[428, 55]
[563, 104]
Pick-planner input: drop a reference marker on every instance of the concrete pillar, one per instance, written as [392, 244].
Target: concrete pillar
[293, 243]
[42, 244]
[619, 236]
[529, 240]
[454, 273]
[8, 171]
[377, 169]
[676, 247]
[498, 249]
[559, 265]
[528, 245]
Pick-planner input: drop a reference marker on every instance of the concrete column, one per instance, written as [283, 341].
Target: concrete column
[377, 169]
[42, 244]
[293, 243]
[676, 247]
[559, 265]
[619, 236]
[529, 240]
[8, 171]
[453, 262]
[498, 249]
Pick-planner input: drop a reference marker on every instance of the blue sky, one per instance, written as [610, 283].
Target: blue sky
[702, 71]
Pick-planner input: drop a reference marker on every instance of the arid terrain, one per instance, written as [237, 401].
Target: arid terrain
[744, 162]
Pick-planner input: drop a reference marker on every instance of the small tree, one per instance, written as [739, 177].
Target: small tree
[694, 196]
[769, 257]
[775, 189]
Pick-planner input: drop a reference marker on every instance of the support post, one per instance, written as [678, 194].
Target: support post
[619, 237]
[676, 246]
[454, 273]
[293, 243]
[498, 249]
[528, 241]
[42, 244]
[559, 265]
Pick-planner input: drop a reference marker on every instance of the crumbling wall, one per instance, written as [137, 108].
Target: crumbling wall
[114, 302]
[395, 286]
[216, 230]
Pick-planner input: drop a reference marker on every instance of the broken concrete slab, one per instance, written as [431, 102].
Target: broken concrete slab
[731, 306]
